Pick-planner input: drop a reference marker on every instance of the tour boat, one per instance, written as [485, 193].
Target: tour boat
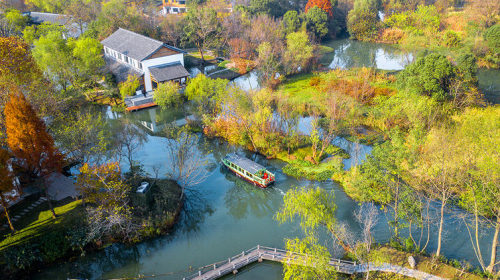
[248, 170]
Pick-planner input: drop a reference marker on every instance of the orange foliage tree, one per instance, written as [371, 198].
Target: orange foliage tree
[6, 185]
[30, 143]
[325, 5]
[19, 69]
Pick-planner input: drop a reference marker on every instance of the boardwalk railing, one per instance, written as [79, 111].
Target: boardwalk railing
[259, 253]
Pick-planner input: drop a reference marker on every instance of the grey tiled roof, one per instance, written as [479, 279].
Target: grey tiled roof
[48, 17]
[120, 70]
[167, 72]
[136, 46]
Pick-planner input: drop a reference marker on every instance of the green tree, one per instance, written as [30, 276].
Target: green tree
[87, 59]
[202, 28]
[207, 93]
[115, 14]
[299, 51]
[50, 6]
[430, 75]
[68, 63]
[53, 55]
[268, 62]
[492, 36]
[83, 137]
[316, 21]
[15, 19]
[167, 95]
[362, 20]
[273, 8]
[291, 22]
[128, 87]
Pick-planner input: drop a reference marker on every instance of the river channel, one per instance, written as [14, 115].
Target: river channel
[227, 215]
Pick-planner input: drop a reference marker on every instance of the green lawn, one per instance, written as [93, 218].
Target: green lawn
[39, 221]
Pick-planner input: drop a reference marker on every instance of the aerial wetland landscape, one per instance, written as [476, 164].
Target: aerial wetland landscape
[303, 139]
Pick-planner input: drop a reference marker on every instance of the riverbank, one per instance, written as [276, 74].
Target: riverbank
[42, 241]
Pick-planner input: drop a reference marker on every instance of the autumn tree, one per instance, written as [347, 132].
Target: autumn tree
[31, 145]
[6, 184]
[18, 69]
[105, 193]
[325, 5]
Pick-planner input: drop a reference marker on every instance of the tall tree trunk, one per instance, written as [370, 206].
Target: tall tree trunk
[50, 202]
[200, 49]
[440, 232]
[494, 244]
[4, 205]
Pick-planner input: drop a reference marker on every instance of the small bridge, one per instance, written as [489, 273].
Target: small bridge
[259, 253]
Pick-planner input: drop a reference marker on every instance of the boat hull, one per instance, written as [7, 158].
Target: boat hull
[255, 183]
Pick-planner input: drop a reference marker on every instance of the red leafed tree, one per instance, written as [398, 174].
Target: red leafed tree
[241, 48]
[6, 185]
[325, 5]
[30, 143]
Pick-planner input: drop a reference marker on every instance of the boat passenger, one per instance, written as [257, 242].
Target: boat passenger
[265, 176]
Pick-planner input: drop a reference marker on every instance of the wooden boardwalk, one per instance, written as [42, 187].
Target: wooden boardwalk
[259, 253]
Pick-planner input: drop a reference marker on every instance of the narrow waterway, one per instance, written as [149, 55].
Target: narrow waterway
[226, 215]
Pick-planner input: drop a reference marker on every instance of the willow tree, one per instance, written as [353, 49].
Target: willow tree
[314, 208]
[30, 143]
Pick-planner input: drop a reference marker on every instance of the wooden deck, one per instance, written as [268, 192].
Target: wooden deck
[140, 101]
[142, 106]
[260, 253]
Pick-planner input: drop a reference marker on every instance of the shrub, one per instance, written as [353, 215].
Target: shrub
[409, 245]
[53, 246]
[22, 257]
[78, 239]
[451, 38]
[392, 35]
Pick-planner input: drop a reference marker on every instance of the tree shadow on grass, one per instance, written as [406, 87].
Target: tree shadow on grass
[39, 222]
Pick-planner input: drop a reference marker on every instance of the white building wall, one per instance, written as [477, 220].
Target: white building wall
[155, 62]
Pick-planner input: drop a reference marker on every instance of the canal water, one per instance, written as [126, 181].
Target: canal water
[226, 215]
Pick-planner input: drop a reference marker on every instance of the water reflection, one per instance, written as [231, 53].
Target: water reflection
[350, 53]
[243, 198]
[489, 83]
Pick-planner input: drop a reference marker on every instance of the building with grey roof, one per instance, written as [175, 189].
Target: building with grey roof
[129, 53]
[74, 30]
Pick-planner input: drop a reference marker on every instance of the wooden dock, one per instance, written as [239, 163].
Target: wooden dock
[259, 253]
[140, 101]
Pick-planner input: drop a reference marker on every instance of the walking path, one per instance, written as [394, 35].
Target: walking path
[260, 253]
